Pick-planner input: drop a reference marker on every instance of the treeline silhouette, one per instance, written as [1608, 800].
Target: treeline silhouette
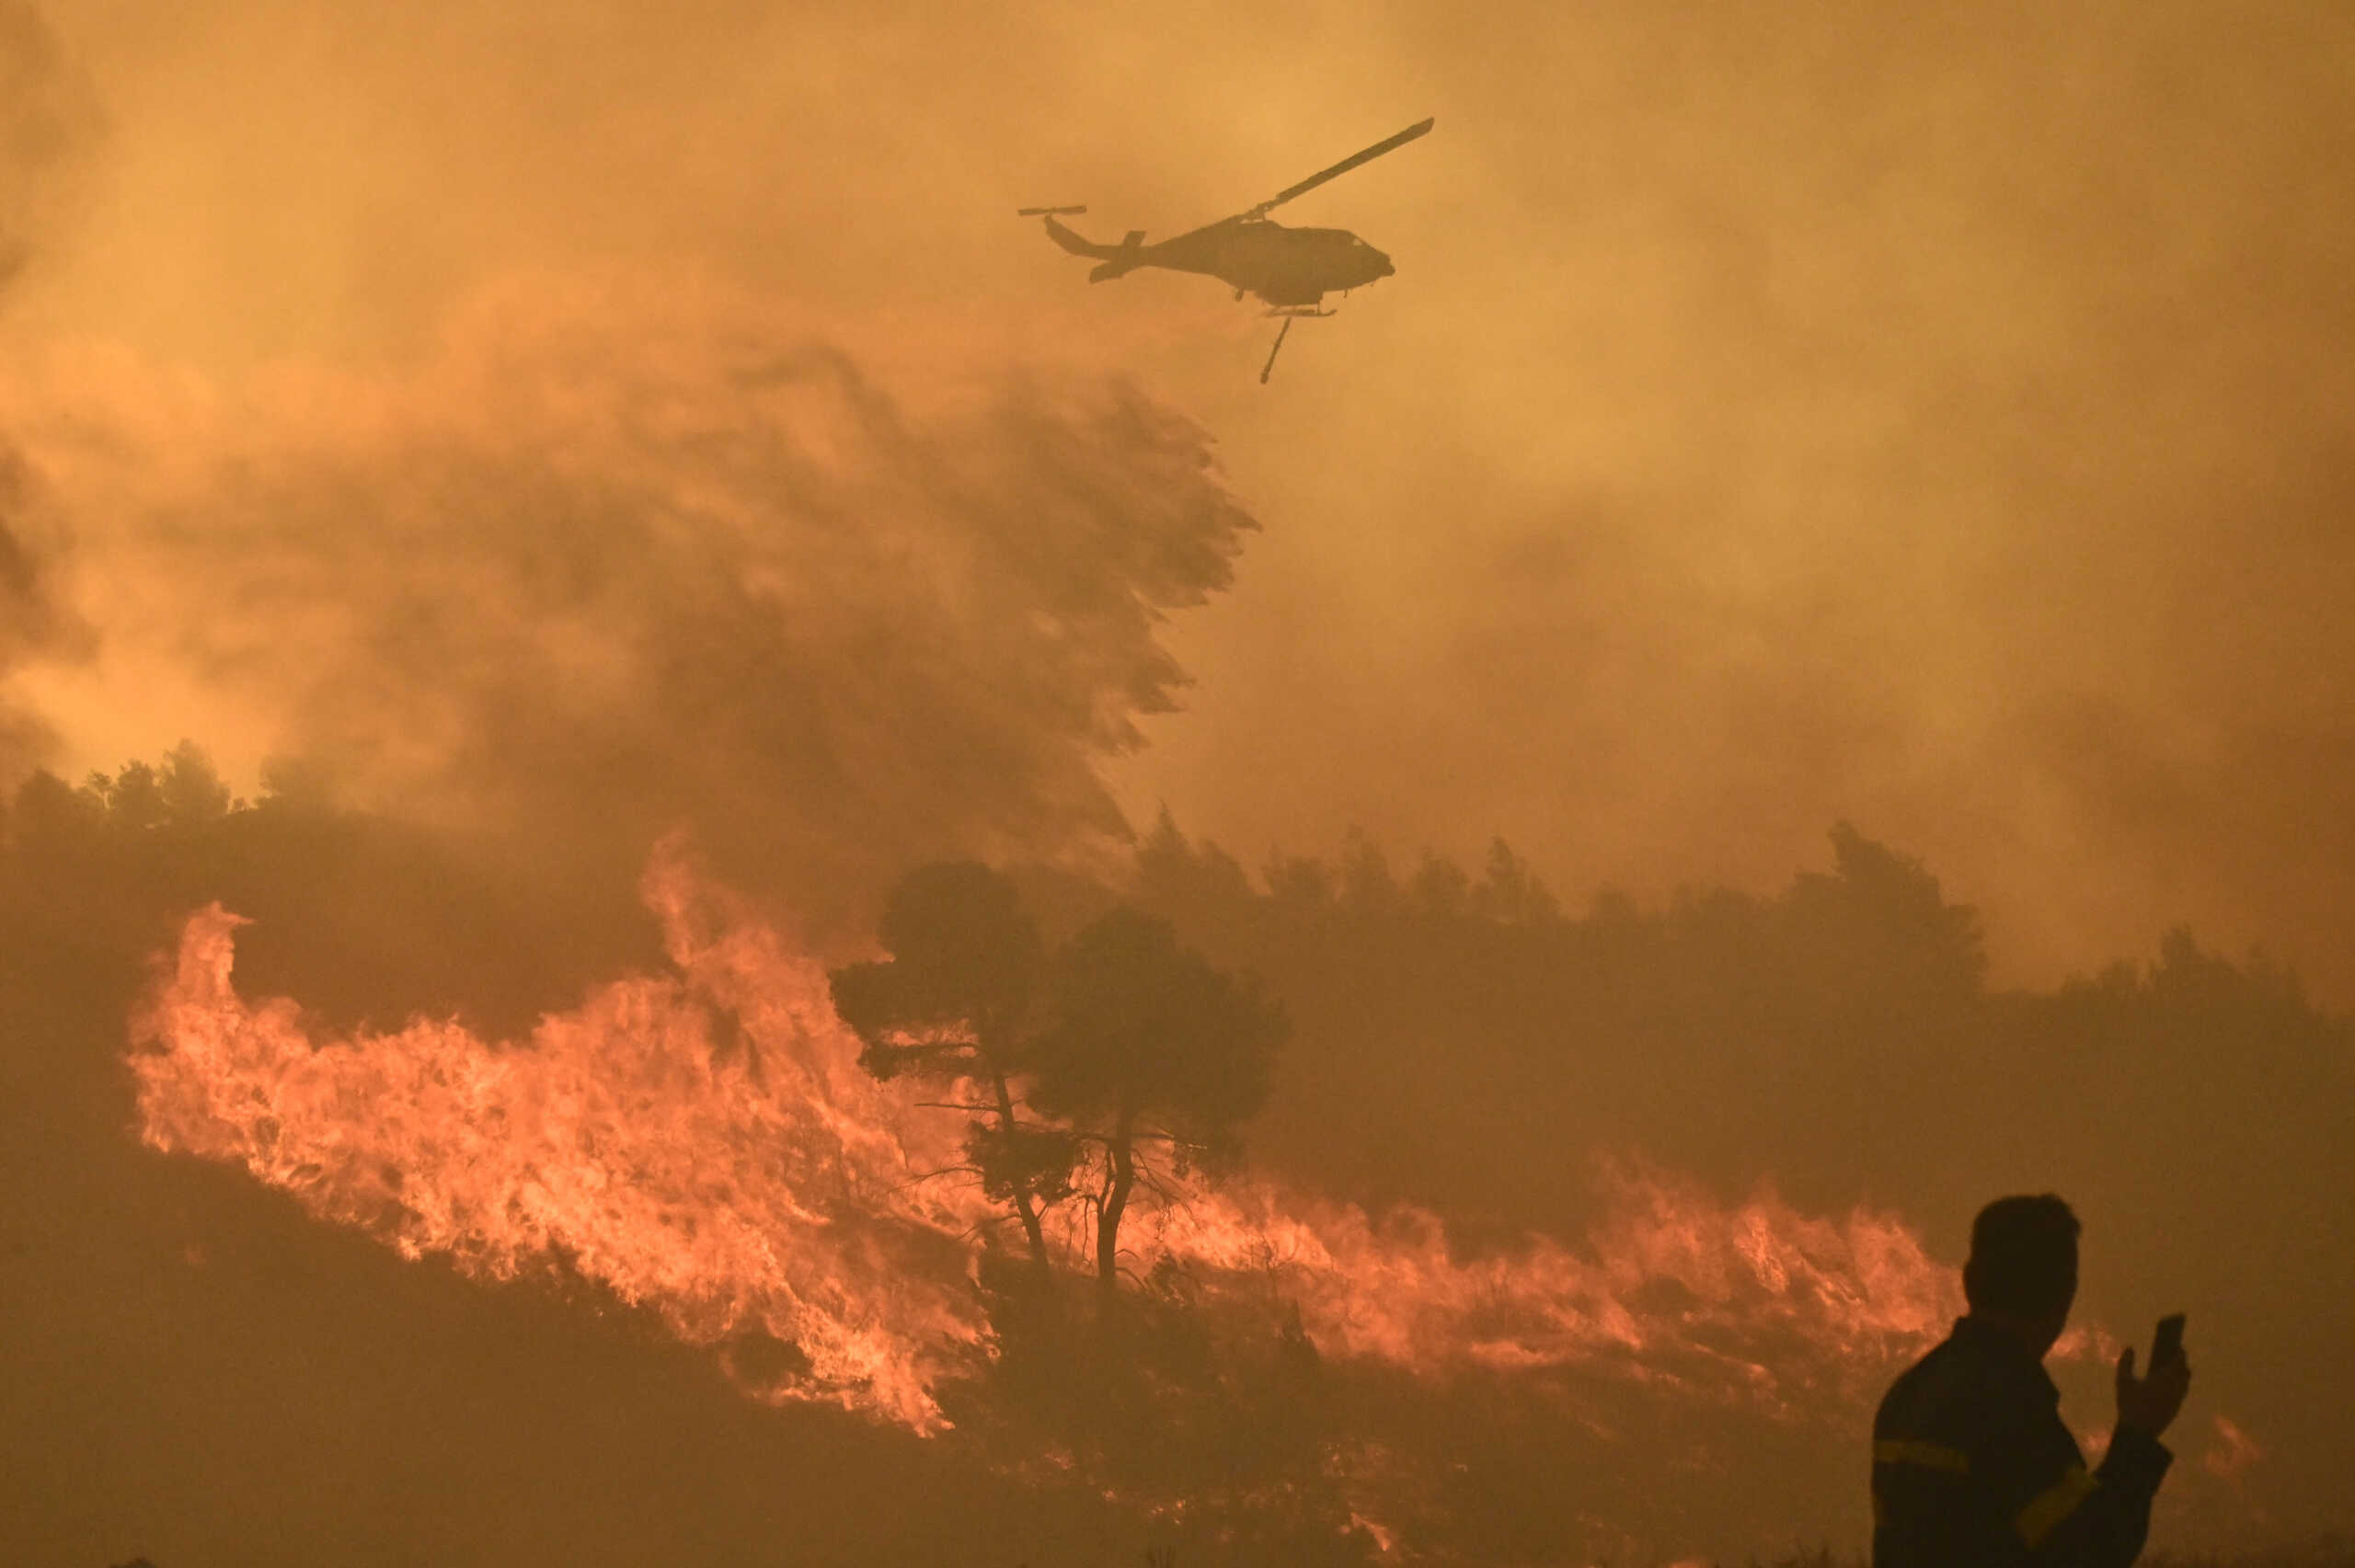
[1459, 1038]
[368, 919]
[1454, 1034]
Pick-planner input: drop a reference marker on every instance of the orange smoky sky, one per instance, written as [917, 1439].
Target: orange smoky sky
[1932, 417]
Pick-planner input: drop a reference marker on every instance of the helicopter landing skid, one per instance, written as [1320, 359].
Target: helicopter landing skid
[1290, 314]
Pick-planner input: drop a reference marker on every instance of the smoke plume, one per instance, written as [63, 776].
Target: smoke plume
[607, 563]
[46, 119]
[29, 623]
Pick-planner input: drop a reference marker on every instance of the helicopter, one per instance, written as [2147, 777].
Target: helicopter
[1290, 270]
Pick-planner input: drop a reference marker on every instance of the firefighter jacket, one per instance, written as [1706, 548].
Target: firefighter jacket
[1972, 1468]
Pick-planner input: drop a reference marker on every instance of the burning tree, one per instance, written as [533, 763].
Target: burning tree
[1149, 1044]
[1124, 1039]
[956, 1004]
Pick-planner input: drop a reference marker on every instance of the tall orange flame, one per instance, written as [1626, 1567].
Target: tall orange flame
[704, 1144]
[772, 1189]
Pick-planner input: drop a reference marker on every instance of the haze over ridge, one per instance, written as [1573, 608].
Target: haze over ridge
[1932, 421]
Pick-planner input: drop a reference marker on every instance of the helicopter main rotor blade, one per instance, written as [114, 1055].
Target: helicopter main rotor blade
[1344, 166]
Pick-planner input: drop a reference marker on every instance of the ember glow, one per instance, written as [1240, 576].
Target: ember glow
[703, 1144]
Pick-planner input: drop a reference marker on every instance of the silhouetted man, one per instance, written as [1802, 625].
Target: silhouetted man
[1972, 1464]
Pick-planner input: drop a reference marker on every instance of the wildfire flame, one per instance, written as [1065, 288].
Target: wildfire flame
[1749, 1302]
[2231, 1450]
[767, 1189]
[703, 1144]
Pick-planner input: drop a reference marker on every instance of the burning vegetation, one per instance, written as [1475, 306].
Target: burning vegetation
[706, 1143]
[1037, 1179]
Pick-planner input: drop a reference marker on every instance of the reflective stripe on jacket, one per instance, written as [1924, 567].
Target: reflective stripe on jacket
[1973, 1467]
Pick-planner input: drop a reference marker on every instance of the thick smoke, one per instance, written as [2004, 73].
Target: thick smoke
[29, 622]
[46, 119]
[603, 565]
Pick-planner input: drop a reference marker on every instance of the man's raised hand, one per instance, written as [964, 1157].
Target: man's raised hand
[2147, 1404]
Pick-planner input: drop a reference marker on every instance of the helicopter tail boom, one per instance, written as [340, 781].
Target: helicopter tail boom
[1118, 260]
[1127, 257]
[1078, 243]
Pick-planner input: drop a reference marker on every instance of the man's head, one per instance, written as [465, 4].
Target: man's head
[2023, 1268]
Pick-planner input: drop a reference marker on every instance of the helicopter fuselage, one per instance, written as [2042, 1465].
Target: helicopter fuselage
[1287, 268]
[1281, 265]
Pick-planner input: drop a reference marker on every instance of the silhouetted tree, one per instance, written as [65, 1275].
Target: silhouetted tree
[1299, 883]
[1510, 891]
[190, 787]
[133, 797]
[1440, 888]
[1881, 914]
[956, 1002]
[1174, 875]
[48, 810]
[1367, 886]
[1149, 1044]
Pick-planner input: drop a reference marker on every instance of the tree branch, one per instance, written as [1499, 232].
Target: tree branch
[935, 1175]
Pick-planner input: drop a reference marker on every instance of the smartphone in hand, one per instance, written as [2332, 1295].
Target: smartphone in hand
[2166, 1343]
